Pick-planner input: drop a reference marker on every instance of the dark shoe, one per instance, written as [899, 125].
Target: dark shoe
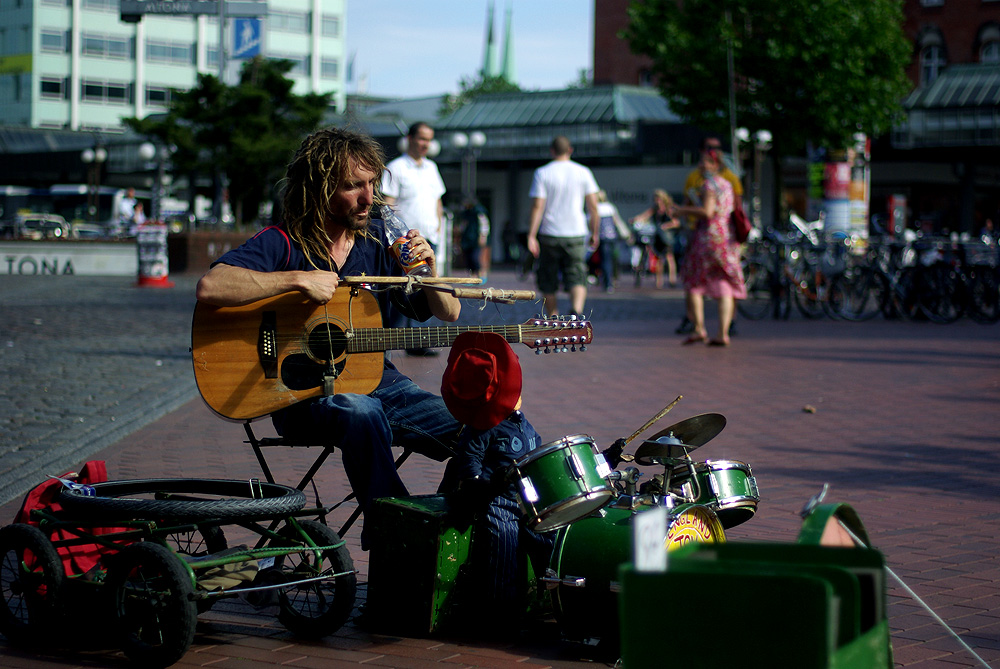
[686, 327]
[422, 352]
[733, 331]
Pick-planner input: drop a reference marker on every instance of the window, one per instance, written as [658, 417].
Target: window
[104, 46]
[931, 63]
[932, 3]
[106, 92]
[53, 88]
[157, 96]
[300, 64]
[330, 26]
[102, 5]
[54, 41]
[288, 22]
[329, 68]
[176, 53]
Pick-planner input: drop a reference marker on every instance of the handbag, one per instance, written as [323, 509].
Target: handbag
[741, 225]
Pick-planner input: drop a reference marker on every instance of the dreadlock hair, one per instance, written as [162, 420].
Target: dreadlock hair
[321, 164]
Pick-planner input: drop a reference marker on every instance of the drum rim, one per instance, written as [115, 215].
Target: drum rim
[601, 493]
[558, 444]
[713, 466]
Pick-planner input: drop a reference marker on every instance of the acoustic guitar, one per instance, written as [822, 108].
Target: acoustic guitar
[252, 360]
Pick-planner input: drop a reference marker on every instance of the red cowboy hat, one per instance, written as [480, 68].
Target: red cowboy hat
[482, 383]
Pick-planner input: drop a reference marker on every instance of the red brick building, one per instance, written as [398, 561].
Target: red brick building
[943, 158]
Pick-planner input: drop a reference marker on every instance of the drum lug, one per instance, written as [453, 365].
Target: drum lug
[575, 466]
[752, 483]
[528, 490]
[552, 581]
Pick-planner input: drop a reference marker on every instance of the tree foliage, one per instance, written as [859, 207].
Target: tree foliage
[473, 88]
[807, 70]
[247, 132]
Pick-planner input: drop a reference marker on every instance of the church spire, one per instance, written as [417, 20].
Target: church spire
[508, 71]
[490, 52]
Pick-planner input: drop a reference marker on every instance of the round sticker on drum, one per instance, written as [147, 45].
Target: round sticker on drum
[694, 524]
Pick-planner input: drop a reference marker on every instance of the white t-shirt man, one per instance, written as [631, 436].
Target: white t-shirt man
[416, 188]
[564, 184]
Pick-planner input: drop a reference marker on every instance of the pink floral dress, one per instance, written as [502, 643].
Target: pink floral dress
[712, 260]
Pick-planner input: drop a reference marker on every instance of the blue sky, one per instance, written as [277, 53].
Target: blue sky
[414, 48]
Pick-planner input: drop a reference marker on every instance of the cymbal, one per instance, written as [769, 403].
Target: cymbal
[695, 431]
[662, 452]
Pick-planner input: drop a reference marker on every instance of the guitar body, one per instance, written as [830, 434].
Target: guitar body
[254, 359]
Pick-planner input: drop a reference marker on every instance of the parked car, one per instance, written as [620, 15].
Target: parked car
[36, 227]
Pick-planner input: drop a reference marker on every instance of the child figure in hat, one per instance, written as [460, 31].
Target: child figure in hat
[481, 386]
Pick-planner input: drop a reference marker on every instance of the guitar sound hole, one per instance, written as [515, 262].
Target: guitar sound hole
[324, 340]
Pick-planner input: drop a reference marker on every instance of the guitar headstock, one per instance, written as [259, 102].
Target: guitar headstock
[556, 334]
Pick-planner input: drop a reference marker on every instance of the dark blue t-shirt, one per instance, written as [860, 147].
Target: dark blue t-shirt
[271, 250]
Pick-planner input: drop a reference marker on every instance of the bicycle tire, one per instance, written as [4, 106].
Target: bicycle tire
[31, 589]
[940, 300]
[853, 296]
[317, 609]
[151, 604]
[757, 303]
[984, 295]
[236, 500]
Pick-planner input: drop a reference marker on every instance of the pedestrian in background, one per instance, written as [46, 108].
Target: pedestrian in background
[558, 233]
[613, 230]
[693, 184]
[474, 238]
[712, 261]
[413, 187]
[664, 234]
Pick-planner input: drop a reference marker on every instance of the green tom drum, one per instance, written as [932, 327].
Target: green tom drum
[728, 487]
[561, 482]
[583, 572]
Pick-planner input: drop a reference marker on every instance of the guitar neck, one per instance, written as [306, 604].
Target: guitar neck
[368, 340]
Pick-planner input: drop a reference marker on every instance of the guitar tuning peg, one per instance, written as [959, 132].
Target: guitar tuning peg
[538, 351]
[583, 347]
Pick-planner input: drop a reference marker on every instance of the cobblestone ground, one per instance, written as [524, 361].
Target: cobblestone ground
[898, 417]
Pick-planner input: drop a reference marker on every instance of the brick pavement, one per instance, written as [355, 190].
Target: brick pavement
[902, 431]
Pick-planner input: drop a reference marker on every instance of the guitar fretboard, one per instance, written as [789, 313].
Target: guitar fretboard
[539, 333]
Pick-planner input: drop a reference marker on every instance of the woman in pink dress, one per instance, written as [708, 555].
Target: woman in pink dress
[712, 261]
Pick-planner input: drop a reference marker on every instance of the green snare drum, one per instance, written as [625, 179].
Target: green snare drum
[561, 482]
[728, 487]
[583, 572]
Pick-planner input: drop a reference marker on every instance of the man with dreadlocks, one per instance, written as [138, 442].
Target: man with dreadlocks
[330, 185]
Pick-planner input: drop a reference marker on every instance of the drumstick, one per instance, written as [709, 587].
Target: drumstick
[655, 418]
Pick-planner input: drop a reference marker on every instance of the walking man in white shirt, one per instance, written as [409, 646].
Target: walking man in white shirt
[559, 233]
[413, 186]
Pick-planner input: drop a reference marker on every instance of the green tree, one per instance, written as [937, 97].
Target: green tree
[807, 70]
[473, 88]
[247, 132]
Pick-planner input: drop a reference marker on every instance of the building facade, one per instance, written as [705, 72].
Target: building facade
[75, 64]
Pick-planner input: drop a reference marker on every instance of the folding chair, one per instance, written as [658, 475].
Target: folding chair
[259, 443]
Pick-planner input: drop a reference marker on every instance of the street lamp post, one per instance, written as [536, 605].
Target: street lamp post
[761, 144]
[469, 145]
[148, 152]
[93, 159]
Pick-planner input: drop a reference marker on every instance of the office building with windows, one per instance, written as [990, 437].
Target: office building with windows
[75, 64]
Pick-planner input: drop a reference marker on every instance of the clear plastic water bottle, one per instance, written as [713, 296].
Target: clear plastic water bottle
[395, 234]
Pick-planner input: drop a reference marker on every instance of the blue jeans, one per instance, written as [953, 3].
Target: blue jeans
[365, 427]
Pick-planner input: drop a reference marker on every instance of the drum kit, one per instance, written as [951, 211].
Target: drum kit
[569, 486]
